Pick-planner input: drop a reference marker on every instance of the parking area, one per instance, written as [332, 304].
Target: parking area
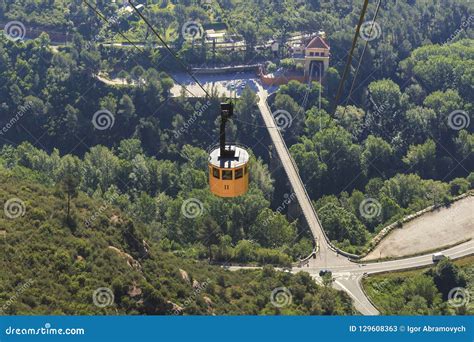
[228, 85]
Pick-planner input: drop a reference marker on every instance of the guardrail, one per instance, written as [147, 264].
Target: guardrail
[329, 243]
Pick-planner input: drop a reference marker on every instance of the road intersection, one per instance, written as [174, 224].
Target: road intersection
[347, 274]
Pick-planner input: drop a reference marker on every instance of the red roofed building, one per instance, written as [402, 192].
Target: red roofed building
[311, 57]
[313, 54]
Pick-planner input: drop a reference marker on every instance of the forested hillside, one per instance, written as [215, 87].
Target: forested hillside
[405, 149]
[58, 265]
[110, 161]
[424, 292]
[173, 202]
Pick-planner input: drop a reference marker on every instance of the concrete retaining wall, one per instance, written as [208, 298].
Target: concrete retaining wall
[223, 70]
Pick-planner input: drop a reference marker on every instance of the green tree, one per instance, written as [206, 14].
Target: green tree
[125, 111]
[272, 229]
[209, 234]
[70, 178]
[341, 224]
[448, 276]
[387, 102]
[422, 158]
[377, 158]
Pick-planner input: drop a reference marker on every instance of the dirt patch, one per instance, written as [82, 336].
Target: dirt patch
[441, 227]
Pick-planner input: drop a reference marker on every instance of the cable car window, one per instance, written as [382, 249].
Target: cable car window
[227, 175]
[215, 172]
[239, 173]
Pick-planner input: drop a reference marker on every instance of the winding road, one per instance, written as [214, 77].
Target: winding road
[293, 176]
[347, 274]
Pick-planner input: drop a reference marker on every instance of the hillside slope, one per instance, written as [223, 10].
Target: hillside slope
[50, 265]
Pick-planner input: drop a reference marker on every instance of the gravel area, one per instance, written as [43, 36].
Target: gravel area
[442, 227]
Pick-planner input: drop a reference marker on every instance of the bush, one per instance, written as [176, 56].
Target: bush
[470, 179]
[288, 63]
[458, 186]
[271, 67]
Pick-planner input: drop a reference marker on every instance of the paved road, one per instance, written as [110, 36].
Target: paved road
[348, 277]
[326, 257]
[324, 249]
[347, 274]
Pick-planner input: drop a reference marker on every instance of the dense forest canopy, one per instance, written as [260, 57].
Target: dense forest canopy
[403, 140]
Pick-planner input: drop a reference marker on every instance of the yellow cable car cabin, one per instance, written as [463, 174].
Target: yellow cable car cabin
[229, 176]
[228, 164]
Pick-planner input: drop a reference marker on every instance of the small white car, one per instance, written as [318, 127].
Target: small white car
[438, 256]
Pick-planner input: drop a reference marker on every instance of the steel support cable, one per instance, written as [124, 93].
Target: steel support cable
[101, 16]
[362, 56]
[349, 58]
[168, 48]
[180, 61]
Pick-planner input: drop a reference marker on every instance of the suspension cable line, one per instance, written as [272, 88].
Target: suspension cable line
[168, 48]
[362, 56]
[104, 18]
[349, 58]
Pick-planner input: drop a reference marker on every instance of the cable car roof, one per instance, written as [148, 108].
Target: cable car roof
[241, 158]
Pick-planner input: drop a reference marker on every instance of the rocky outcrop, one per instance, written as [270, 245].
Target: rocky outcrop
[184, 276]
[176, 309]
[134, 290]
[130, 260]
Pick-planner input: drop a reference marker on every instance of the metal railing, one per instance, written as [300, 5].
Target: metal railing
[329, 243]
